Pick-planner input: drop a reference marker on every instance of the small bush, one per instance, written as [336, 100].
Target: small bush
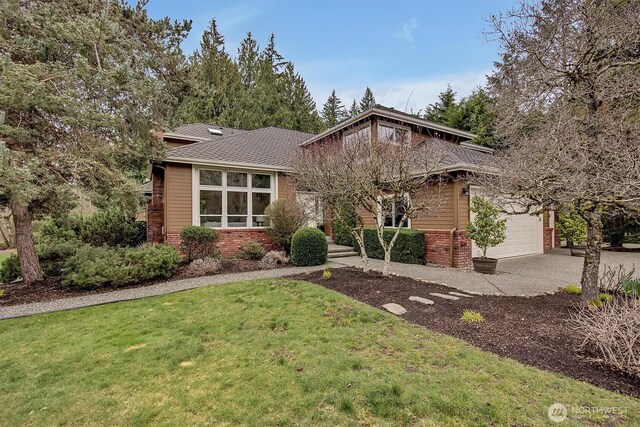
[253, 250]
[204, 266]
[93, 266]
[326, 274]
[471, 316]
[596, 302]
[53, 254]
[112, 228]
[10, 269]
[199, 242]
[605, 297]
[487, 230]
[573, 289]
[408, 249]
[284, 217]
[612, 278]
[573, 228]
[309, 247]
[631, 287]
[273, 259]
[612, 332]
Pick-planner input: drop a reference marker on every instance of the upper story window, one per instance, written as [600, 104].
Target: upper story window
[229, 199]
[358, 135]
[393, 134]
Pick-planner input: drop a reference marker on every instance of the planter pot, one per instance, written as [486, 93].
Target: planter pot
[485, 265]
[577, 251]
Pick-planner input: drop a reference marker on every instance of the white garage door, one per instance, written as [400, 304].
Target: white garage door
[524, 236]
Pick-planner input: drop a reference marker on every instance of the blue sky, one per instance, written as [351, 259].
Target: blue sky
[406, 51]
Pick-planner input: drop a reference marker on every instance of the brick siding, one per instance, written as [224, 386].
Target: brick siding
[437, 244]
[155, 208]
[231, 241]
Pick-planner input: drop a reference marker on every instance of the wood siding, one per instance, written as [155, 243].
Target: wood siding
[286, 187]
[178, 196]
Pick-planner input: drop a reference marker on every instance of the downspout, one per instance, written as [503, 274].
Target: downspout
[451, 235]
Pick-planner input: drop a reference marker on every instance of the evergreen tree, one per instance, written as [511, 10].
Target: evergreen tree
[353, 110]
[368, 101]
[446, 110]
[248, 61]
[79, 105]
[333, 112]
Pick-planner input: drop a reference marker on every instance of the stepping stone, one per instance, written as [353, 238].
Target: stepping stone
[474, 293]
[458, 294]
[394, 308]
[445, 296]
[421, 300]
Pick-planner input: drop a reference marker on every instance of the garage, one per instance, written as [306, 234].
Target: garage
[524, 236]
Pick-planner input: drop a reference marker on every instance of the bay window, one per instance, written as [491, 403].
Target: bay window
[231, 199]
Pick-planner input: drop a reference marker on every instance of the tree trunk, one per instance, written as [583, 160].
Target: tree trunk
[26, 245]
[591, 268]
[386, 269]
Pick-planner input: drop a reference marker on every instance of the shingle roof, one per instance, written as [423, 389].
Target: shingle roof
[267, 146]
[201, 130]
[460, 155]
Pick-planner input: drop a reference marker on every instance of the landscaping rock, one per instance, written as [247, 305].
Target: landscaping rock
[458, 294]
[394, 308]
[421, 300]
[445, 296]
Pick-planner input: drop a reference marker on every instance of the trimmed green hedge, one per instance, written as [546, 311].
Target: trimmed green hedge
[408, 249]
[309, 247]
[341, 233]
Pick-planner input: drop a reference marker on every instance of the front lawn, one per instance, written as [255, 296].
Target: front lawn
[268, 352]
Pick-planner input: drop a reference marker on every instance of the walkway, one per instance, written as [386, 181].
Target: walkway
[531, 275]
[148, 291]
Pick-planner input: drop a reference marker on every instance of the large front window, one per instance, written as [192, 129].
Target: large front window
[229, 199]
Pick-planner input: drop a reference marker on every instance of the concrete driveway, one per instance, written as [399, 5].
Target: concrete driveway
[530, 275]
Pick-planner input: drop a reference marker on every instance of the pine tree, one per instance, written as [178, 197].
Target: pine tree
[368, 100]
[248, 60]
[353, 110]
[446, 110]
[333, 112]
[77, 114]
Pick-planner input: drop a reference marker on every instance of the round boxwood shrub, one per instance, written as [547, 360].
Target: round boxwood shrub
[309, 247]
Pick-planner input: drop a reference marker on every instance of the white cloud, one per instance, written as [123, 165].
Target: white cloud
[404, 95]
[407, 29]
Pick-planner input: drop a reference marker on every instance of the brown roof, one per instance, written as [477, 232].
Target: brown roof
[201, 130]
[269, 147]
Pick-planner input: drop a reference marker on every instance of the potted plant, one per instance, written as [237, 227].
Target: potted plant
[486, 230]
[574, 229]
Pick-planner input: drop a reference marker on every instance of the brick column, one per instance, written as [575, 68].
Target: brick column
[548, 239]
[155, 207]
[438, 248]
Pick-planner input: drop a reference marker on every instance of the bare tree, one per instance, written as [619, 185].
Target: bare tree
[567, 100]
[386, 178]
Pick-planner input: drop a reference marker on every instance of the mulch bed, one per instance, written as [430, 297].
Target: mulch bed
[51, 288]
[532, 330]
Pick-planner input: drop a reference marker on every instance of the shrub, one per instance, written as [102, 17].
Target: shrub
[57, 229]
[326, 274]
[613, 278]
[573, 289]
[273, 259]
[309, 247]
[572, 227]
[605, 297]
[53, 254]
[199, 242]
[284, 217]
[471, 316]
[342, 233]
[112, 228]
[93, 266]
[487, 229]
[253, 250]
[631, 287]
[612, 332]
[204, 266]
[408, 249]
[10, 269]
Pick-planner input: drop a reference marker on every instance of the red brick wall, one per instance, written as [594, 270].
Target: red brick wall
[438, 248]
[231, 241]
[155, 207]
[548, 239]
[557, 242]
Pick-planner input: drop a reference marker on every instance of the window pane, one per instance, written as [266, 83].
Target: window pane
[385, 133]
[260, 181]
[236, 203]
[211, 221]
[402, 136]
[237, 221]
[236, 179]
[208, 177]
[210, 202]
[259, 202]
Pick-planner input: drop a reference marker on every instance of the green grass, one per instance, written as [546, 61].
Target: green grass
[269, 352]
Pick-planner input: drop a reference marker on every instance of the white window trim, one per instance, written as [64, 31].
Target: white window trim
[395, 126]
[381, 219]
[196, 187]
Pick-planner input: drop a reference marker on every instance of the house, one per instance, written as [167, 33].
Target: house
[225, 178]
